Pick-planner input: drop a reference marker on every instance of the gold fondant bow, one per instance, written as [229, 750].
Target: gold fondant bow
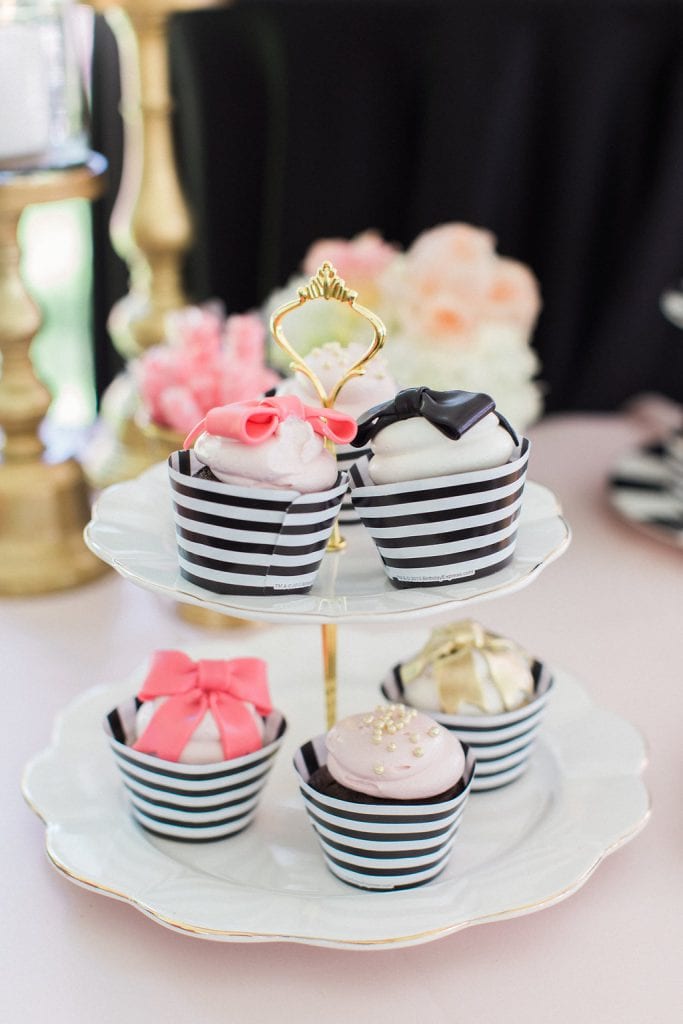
[452, 653]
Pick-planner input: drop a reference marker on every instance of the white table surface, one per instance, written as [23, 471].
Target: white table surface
[609, 611]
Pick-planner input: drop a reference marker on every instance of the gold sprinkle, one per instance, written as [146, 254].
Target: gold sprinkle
[391, 729]
[376, 740]
[434, 731]
[414, 737]
[418, 751]
[391, 747]
[369, 719]
[378, 768]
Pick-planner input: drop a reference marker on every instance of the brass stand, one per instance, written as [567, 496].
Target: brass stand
[43, 507]
[151, 227]
[329, 641]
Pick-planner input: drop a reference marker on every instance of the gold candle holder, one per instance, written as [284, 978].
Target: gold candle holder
[327, 285]
[43, 506]
[151, 226]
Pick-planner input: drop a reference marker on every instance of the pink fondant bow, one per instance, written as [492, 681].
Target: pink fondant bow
[192, 689]
[254, 422]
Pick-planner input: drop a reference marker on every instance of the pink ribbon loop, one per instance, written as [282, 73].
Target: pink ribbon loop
[254, 422]
[192, 689]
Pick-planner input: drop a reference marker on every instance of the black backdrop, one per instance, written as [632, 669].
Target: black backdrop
[558, 125]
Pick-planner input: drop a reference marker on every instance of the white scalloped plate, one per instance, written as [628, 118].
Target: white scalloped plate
[519, 849]
[132, 530]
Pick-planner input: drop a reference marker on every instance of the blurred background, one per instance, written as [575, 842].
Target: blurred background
[555, 124]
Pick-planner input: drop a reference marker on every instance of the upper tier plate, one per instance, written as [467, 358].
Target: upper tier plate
[132, 530]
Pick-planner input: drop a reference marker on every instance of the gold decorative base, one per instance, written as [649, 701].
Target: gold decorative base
[208, 619]
[43, 509]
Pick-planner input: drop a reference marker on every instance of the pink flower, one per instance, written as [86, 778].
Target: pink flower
[359, 261]
[208, 362]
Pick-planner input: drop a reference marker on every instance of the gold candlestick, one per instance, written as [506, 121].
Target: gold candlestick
[43, 507]
[151, 225]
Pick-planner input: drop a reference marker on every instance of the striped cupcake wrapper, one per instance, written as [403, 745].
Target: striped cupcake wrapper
[502, 744]
[382, 847]
[244, 540]
[444, 529]
[673, 460]
[347, 456]
[196, 803]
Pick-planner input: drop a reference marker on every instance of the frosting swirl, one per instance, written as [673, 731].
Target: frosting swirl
[294, 458]
[394, 752]
[414, 449]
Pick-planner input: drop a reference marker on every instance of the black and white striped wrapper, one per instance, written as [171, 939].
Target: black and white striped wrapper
[245, 540]
[502, 744]
[347, 455]
[444, 529]
[673, 460]
[381, 846]
[192, 802]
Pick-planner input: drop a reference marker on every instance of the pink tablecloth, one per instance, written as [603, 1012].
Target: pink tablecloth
[609, 611]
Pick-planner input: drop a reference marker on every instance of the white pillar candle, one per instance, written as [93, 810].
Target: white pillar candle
[24, 93]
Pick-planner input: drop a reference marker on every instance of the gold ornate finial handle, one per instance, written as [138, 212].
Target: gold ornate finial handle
[327, 284]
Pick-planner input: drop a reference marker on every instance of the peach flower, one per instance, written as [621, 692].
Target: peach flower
[513, 294]
[359, 261]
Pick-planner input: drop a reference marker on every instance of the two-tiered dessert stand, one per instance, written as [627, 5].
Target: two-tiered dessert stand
[520, 849]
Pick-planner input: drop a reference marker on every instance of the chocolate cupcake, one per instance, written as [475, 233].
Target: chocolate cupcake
[385, 792]
[195, 746]
[256, 498]
[442, 491]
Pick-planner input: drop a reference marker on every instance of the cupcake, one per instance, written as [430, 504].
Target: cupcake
[484, 689]
[385, 792]
[195, 746]
[256, 497]
[441, 492]
[329, 363]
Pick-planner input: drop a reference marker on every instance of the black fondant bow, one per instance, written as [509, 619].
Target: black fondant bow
[451, 412]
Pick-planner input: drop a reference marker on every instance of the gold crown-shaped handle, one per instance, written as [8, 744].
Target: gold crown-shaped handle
[327, 284]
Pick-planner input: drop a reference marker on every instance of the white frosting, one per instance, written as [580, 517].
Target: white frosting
[329, 363]
[294, 459]
[204, 745]
[423, 692]
[413, 449]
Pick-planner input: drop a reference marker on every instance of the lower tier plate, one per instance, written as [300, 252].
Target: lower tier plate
[519, 849]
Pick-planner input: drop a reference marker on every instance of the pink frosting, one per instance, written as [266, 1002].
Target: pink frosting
[394, 752]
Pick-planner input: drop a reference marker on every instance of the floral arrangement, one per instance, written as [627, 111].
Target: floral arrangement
[207, 360]
[458, 315]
